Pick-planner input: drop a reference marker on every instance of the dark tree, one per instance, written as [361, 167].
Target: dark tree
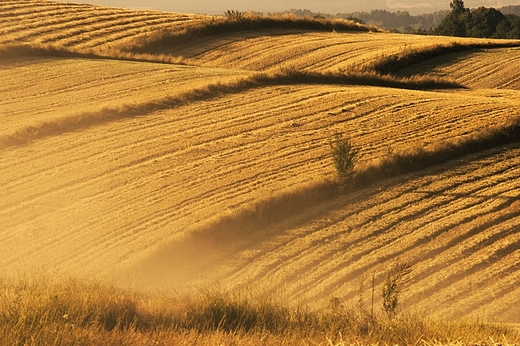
[508, 28]
[484, 22]
[457, 8]
[455, 23]
[481, 22]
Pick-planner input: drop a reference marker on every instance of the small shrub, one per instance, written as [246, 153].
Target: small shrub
[293, 74]
[344, 156]
[395, 279]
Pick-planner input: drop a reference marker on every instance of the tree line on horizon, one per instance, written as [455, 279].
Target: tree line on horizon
[485, 22]
[460, 21]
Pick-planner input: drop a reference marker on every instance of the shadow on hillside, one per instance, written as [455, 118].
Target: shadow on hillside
[430, 67]
[203, 250]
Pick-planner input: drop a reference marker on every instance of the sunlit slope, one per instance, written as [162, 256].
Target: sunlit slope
[313, 51]
[107, 30]
[42, 90]
[79, 25]
[478, 69]
[92, 198]
[44, 94]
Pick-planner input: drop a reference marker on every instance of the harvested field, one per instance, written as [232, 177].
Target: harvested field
[314, 51]
[38, 90]
[164, 175]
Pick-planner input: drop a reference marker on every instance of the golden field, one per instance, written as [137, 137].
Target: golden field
[199, 163]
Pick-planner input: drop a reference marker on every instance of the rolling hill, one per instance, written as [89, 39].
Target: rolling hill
[80, 25]
[166, 175]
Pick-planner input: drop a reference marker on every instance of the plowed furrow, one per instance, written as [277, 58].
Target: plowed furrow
[312, 51]
[388, 239]
[92, 181]
[245, 120]
[43, 25]
[29, 8]
[82, 26]
[393, 217]
[471, 208]
[99, 84]
[483, 271]
[121, 27]
[457, 238]
[54, 29]
[45, 16]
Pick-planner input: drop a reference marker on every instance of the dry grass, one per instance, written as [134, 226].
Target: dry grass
[39, 310]
[293, 76]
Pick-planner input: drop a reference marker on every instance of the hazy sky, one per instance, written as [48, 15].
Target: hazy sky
[325, 6]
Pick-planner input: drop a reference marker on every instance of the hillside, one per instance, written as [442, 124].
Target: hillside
[164, 175]
[457, 224]
[482, 69]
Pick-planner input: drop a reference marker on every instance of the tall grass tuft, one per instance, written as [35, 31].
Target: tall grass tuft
[234, 15]
[396, 277]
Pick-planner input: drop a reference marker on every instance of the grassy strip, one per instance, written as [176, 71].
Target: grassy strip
[14, 51]
[294, 76]
[166, 40]
[40, 311]
[393, 63]
[213, 91]
[400, 163]
[9, 51]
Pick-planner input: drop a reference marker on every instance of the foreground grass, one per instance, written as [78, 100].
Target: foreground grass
[41, 311]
